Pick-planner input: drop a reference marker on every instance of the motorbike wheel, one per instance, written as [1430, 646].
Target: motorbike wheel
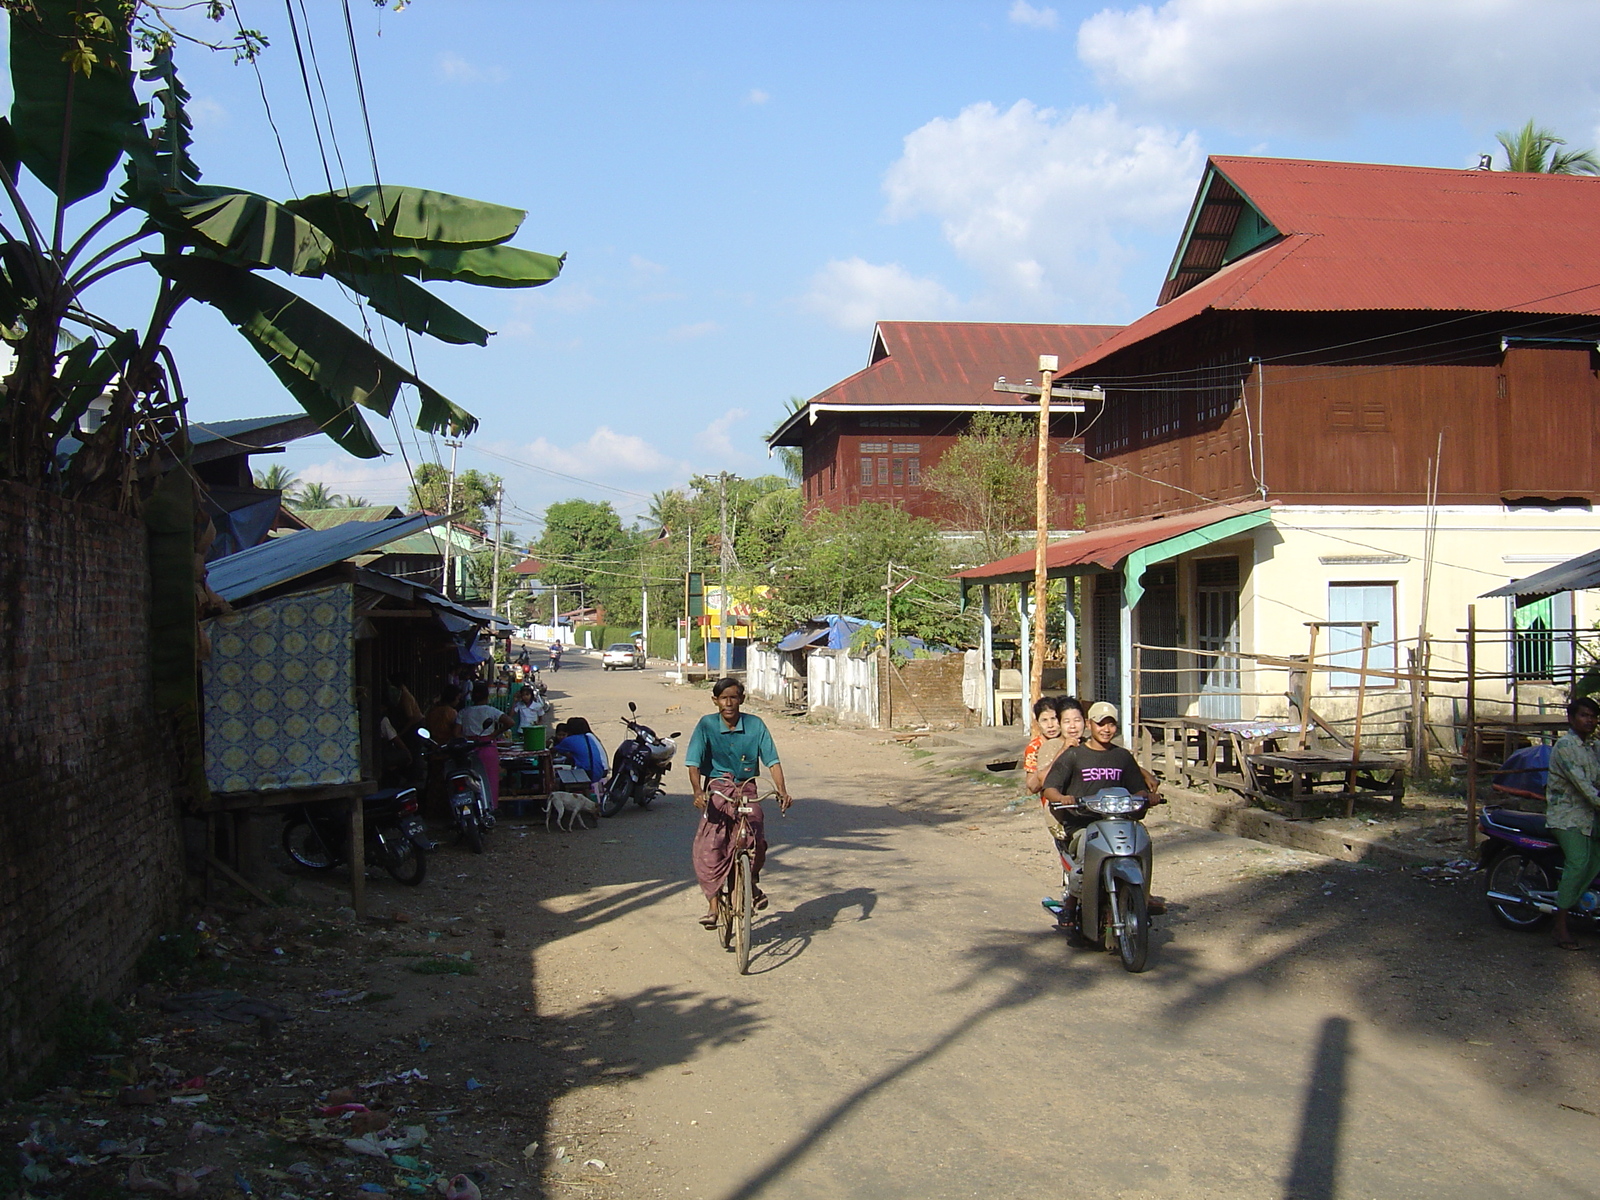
[301, 843]
[616, 795]
[1133, 943]
[402, 859]
[1514, 873]
[472, 828]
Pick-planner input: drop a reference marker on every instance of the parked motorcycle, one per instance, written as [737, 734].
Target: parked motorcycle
[464, 787]
[317, 834]
[638, 766]
[1115, 898]
[1523, 864]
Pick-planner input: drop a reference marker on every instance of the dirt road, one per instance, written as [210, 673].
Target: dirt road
[911, 1027]
[550, 1017]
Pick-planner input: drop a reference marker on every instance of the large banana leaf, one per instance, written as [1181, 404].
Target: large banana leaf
[489, 266]
[85, 375]
[326, 367]
[96, 111]
[413, 214]
[244, 229]
[415, 307]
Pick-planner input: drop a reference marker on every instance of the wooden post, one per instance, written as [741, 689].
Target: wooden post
[1135, 742]
[1024, 637]
[1305, 689]
[1355, 738]
[1041, 532]
[989, 715]
[1419, 709]
[358, 858]
[1472, 726]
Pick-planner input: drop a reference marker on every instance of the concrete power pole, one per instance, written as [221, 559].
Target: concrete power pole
[494, 581]
[449, 517]
[724, 557]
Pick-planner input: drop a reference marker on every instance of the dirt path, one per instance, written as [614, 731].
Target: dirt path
[910, 1027]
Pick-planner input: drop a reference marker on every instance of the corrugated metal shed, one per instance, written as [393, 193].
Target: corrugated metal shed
[933, 364]
[327, 518]
[1370, 237]
[296, 554]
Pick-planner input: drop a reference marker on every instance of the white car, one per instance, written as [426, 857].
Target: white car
[623, 654]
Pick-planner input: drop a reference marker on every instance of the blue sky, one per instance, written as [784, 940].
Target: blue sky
[743, 188]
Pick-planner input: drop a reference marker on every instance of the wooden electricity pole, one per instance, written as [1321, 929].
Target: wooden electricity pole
[1048, 364]
[494, 579]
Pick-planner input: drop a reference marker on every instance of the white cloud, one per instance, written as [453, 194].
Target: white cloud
[757, 96]
[854, 294]
[606, 455]
[643, 266]
[1040, 202]
[555, 297]
[1023, 13]
[381, 480]
[1319, 65]
[454, 69]
[715, 439]
[687, 333]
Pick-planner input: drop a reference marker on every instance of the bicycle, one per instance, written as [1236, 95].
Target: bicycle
[736, 900]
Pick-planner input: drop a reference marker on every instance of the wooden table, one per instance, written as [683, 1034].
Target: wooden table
[521, 799]
[1205, 750]
[1296, 777]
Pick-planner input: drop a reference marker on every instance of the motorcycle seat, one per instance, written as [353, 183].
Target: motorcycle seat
[1528, 823]
[385, 794]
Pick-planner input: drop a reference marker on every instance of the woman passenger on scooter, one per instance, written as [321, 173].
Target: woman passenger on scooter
[1572, 798]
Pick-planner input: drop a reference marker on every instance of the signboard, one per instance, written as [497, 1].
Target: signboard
[694, 594]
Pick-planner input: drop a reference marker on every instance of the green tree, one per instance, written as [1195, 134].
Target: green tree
[474, 495]
[985, 481]
[315, 495]
[839, 563]
[355, 501]
[584, 545]
[792, 457]
[1539, 150]
[74, 116]
[277, 478]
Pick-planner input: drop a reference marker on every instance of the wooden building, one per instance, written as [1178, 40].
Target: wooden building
[1330, 338]
[874, 436]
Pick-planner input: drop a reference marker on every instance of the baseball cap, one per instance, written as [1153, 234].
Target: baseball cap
[1101, 711]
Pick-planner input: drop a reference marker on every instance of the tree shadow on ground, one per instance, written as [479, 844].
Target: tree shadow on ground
[785, 936]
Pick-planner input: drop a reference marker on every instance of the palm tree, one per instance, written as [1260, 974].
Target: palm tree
[277, 478]
[315, 495]
[1539, 150]
[792, 457]
[355, 502]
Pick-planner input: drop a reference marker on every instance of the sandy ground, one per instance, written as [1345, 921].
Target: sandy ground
[911, 1025]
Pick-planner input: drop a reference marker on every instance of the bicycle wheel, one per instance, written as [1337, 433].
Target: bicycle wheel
[745, 898]
[725, 907]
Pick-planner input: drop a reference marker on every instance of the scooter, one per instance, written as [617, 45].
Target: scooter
[1114, 900]
[1523, 864]
[637, 766]
[555, 656]
[317, 835]
[464, 788]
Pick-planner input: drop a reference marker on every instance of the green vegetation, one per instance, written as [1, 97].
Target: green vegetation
[1539, 150]
[443, 966]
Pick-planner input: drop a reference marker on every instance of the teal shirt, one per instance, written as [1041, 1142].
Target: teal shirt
[717, 750]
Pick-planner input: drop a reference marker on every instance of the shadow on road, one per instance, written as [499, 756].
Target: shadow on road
[787, 935]
[1314, 1171]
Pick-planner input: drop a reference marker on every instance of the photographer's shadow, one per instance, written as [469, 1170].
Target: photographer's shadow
[784, 936]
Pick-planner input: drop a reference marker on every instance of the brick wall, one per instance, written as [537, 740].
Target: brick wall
[90, 852]
[926, 691]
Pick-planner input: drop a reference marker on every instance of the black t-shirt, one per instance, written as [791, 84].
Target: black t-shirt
[1083, 770]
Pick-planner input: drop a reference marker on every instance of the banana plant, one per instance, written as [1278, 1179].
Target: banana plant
[75, 116]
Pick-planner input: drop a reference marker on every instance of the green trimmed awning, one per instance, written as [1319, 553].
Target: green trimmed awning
[1218, 531]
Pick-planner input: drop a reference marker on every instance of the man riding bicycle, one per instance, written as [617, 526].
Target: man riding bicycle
[725, 754]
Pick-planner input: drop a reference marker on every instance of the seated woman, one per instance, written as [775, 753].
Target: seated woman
[584, 749]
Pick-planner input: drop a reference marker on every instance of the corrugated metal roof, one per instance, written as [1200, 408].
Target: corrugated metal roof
[327, 518]
[279, 429]
[1364, 236]
[296, 554]
[1574, 575]
[925, 364]
[1105, 549]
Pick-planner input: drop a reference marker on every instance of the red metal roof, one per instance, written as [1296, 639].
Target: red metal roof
[1105, 548]
[1363, 236]
[933, 363]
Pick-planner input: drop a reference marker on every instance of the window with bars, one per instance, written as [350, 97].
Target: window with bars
[1160, 414]
[874, 447]
[866, 472]
[1113, 426]
[833, 475]
[883, 472]
[908, 447]
[899, 472]
[914, 472]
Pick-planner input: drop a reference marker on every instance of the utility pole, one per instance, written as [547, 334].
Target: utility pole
[494, 582]
[1076, 397]
[644, 614]
[725, 556]
[449, 517]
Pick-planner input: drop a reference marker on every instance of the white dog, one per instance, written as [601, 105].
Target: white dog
[567, 807]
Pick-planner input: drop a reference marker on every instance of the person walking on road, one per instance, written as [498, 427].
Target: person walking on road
[1572, 797]
[725, 754]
